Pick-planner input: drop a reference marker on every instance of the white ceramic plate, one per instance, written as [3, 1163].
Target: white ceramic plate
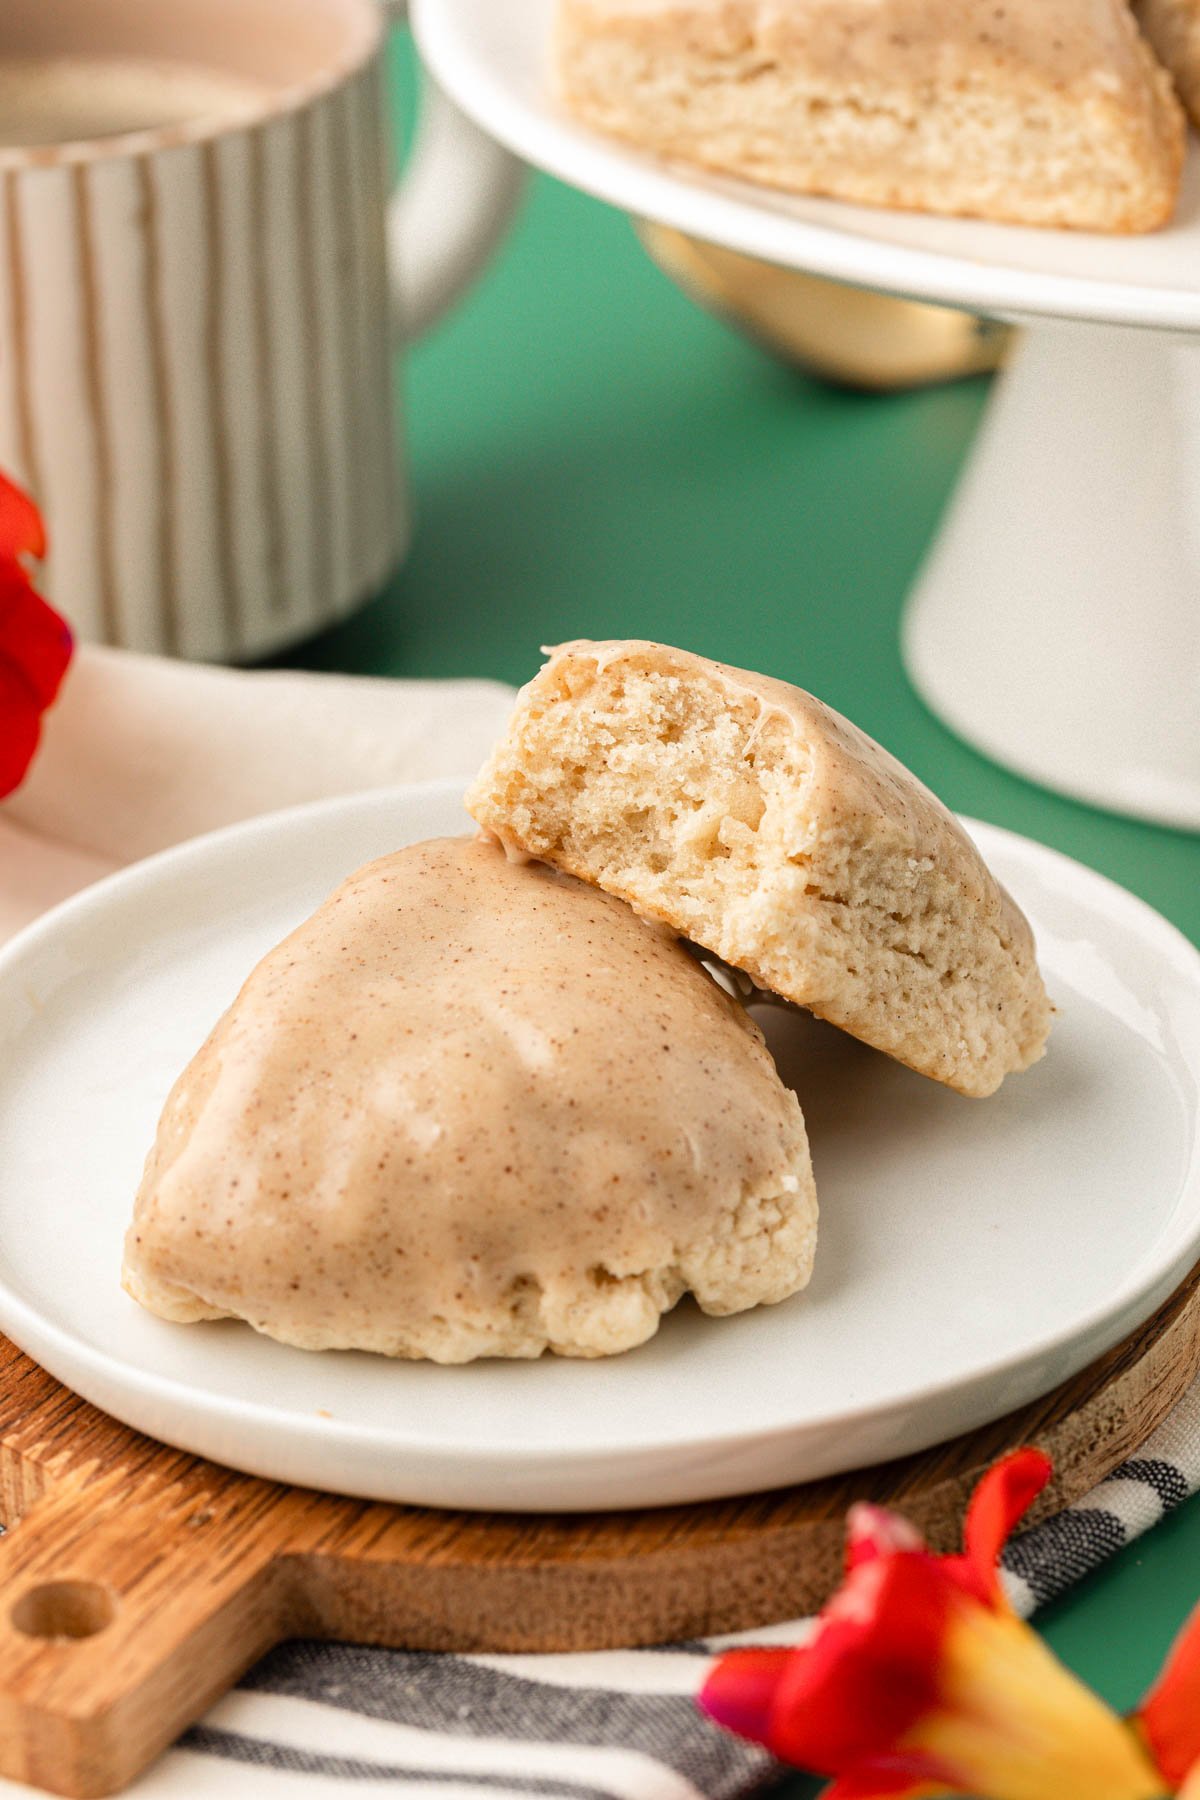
[491, 56]
[972, 1253]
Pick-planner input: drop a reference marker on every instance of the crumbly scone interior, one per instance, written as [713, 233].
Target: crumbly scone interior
[697, 804]
[682, 799]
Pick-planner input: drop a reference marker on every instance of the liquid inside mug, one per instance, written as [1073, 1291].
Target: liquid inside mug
[202, 279]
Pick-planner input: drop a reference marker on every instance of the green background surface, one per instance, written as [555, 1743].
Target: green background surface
[592, 456]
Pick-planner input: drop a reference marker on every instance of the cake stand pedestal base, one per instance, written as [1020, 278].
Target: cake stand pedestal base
[1056, 624]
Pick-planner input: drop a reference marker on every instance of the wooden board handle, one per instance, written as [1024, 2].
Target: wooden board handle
[121, 1621]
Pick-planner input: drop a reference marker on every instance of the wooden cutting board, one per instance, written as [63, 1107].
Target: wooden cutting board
[138, 1583]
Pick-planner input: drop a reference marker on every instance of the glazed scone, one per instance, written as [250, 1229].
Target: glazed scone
[474, 1108]
[750, 818]
[1042, 112]
[1173, 28]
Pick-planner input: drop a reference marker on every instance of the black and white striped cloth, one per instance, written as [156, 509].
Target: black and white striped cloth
[315, 1721]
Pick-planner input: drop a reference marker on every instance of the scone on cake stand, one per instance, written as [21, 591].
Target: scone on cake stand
[1055, 624]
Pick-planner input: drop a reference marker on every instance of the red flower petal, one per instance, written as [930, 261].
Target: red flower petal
[920, 1681]
[20, 728]
[1000, 1501]
[867, 1674]
[35, 642]
[871, 1669]
[740, 1691]
[21, 530]
[1169, 1716]
[884, 1784]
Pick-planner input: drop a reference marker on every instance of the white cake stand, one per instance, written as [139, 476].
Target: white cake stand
[1056, 624]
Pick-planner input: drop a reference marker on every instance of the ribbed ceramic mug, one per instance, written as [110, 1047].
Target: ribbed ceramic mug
[197, 319]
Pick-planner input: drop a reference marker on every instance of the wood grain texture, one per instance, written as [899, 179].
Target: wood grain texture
[139, 1582]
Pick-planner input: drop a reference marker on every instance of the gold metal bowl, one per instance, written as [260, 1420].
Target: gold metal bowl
[844, 334]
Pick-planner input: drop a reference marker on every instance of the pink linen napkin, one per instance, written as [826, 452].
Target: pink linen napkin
[139, 753]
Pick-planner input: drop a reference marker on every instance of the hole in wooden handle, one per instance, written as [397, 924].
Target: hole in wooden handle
[64, 1609]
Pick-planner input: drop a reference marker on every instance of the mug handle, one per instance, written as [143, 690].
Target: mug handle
[450, 211]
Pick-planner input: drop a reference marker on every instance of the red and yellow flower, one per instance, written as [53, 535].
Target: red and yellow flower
[35, 643]
[919, 1680]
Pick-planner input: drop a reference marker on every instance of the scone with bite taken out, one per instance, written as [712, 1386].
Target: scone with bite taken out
[752, 819]
[473, 1107]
